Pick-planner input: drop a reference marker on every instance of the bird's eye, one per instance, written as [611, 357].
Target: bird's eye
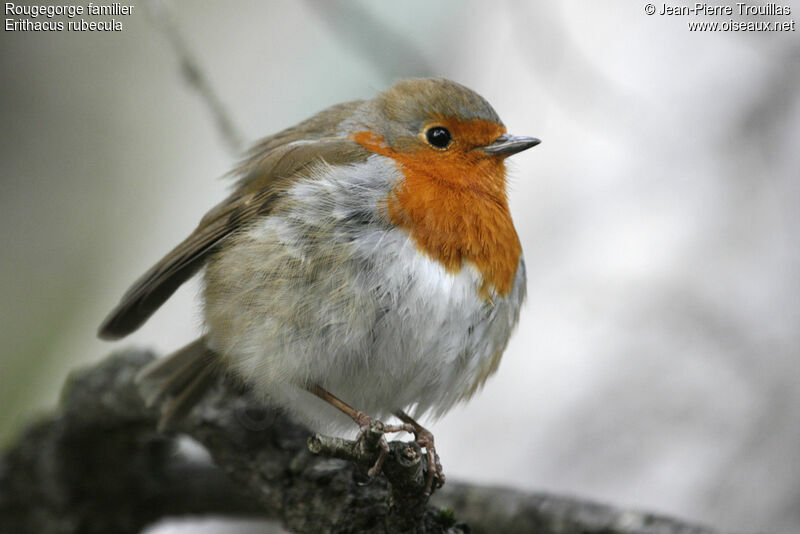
[438, 136]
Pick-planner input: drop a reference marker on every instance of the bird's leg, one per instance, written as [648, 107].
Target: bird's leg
[364, 423]
[424, 438]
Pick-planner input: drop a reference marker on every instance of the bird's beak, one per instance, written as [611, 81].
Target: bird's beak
[507, 144]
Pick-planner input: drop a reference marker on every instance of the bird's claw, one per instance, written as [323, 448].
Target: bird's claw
[372, 433]
[424, 439]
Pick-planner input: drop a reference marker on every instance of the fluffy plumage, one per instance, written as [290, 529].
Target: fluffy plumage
[354, 256]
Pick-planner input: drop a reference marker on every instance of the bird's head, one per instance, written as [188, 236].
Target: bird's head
[442, 130]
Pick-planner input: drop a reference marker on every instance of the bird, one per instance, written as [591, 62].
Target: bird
[364, 266]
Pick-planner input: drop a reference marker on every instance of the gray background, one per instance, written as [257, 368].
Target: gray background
[656, 362]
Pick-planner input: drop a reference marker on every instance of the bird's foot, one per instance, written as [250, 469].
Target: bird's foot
[372, 433]
[372, 436]
[424, 439]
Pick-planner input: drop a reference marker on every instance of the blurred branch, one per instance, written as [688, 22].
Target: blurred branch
[762, 120]
[544, 34]
[162, 17]
[387, 50]
[99, 466]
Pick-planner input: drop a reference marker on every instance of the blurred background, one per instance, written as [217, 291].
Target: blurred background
[657, 360]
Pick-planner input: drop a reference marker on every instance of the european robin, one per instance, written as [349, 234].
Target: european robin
[365, 257]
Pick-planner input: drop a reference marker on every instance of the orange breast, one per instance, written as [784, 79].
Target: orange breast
[454, 203]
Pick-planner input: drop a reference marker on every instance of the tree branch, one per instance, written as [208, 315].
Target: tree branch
[162, 16]
[99, 466]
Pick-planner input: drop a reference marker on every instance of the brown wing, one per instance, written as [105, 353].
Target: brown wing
[267, 175]
[320, 126]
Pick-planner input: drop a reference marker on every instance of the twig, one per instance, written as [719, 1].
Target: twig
[162, 16]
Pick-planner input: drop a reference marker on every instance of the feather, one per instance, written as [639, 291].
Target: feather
[175, 383]
[267, 175]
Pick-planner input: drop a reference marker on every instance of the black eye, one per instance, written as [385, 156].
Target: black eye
[438, 136]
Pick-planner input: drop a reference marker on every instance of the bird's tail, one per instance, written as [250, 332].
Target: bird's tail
[176, 382]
